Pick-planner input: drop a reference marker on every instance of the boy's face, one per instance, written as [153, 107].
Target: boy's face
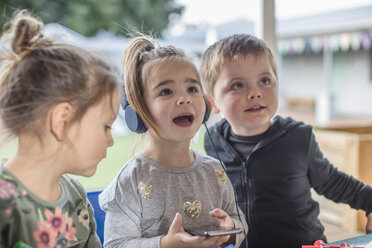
[246, 94]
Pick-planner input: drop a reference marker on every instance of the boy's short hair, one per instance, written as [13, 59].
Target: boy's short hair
[228, 49]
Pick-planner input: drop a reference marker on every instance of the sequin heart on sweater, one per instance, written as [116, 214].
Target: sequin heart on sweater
[221, 175]
[145, 189]
[193, 209]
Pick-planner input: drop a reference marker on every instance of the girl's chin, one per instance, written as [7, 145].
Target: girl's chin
[87, 172]
[182, 136]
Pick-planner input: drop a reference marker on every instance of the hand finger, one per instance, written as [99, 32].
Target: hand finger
[176, 225]
[218, 213]
[215, 212]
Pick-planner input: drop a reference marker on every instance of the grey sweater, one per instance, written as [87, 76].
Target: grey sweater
[142, 201]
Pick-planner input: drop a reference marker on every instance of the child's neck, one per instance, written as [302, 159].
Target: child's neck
[170, 154]
[39, 176]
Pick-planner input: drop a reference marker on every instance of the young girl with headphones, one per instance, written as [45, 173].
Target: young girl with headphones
[168, 187]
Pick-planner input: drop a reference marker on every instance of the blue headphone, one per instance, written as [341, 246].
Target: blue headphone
[136, 124]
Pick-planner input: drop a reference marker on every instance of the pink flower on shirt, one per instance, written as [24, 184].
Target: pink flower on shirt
[57, 220]
[6, 189]
[46, 236]
[70, 231]
[57, 228]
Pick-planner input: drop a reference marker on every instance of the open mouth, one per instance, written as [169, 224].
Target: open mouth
[183, 120]
[255, 108]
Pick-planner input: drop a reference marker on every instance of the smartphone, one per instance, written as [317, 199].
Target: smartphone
[213, 230]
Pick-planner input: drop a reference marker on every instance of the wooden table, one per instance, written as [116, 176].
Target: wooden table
[361, 241]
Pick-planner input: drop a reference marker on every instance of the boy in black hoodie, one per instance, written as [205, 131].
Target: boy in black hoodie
[273, 162]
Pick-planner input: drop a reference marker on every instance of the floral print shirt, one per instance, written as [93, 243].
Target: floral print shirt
[67, 222]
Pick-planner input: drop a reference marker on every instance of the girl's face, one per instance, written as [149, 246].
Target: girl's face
[91, 135]
[246, 93]
[175, 100]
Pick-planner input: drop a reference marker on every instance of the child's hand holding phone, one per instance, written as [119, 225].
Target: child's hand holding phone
[177, 237]
[223, 219]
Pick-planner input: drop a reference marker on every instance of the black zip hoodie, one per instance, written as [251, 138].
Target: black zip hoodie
[273, 184]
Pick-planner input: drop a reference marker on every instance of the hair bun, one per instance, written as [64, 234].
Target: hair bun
[26, 32]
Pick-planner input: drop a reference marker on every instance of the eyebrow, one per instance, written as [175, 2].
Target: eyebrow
[267, 71]
[166, 82]
[261, 74]
[236, 78]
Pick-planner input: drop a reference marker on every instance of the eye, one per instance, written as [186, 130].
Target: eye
[237, 86]
[193, 89]
[107, 127]
[265, 81]
[165, 92]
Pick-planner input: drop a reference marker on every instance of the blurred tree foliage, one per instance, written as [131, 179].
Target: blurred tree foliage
[89, 16]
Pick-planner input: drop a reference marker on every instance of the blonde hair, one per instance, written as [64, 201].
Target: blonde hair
[137, 61]
[229, 49]
[37, 74]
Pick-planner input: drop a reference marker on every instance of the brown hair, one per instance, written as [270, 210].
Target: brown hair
[228, 49]
[136, 61]
[37, 74]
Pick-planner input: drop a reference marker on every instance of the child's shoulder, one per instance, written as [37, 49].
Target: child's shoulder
[288, 121]
[137, 166]
[125, 182]
[137, 163]
[4, 176]
[204, 158]
[10, 189]
[73, 186]
[221, 124]
[279, 125]
[208, 161]
[289, 124]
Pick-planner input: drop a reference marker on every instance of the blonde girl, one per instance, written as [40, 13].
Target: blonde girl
[59, 101]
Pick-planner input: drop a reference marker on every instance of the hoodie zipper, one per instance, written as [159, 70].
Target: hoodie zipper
[247, 182]
[245, 189]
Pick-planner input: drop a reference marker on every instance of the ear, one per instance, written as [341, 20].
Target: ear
[59, 118]
[214, 108]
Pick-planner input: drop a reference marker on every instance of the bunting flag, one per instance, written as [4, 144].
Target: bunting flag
[335, 42]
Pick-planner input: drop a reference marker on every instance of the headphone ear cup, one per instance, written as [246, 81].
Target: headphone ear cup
[207, 110]
[132, 119]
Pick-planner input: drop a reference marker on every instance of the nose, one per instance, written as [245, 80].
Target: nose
[254, 93]
[184, 99]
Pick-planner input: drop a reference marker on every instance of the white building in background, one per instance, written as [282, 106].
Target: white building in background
[329, 54]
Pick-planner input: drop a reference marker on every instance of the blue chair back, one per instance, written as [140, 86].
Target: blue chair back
[99, 214]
